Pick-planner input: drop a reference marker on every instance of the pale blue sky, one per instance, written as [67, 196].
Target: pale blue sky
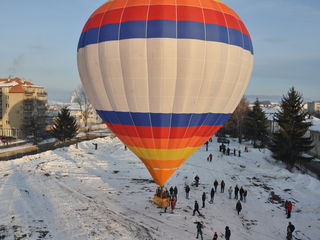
[38, 41]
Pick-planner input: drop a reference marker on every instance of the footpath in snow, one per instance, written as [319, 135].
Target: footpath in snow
[82, 193]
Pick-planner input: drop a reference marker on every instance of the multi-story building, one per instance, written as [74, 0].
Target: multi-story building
[314, 107]
[20, 102]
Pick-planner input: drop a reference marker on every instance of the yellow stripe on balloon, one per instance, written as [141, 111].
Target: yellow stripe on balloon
[163, 154]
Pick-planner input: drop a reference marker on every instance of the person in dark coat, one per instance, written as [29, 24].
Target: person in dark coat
[228, 151]
[241, 193]
[171, 191]
[236, 190]
[239, 153]
[212, 195]
[210, 157]
[204, 199]
[207, 146]
[196, 208]
[239, 207]
[290, 230]
[199, 229]
[245, 195]
[175, 191]
[234, 152]
[286, 206]
[227, 233]
[196, 180]
[222, 184]
[187, 189]
[289, 209]
[215, 184]
[215, 236]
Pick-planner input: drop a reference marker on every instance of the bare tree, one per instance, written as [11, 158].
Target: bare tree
[85, 106]
[235, 125]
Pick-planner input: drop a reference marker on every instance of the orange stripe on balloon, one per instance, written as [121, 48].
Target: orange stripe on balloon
[160, 176]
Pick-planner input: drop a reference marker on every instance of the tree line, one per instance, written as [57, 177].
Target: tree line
[290, 143]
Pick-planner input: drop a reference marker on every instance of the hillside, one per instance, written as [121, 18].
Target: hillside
[82, 193]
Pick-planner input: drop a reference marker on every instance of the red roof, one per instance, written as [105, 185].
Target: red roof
[17, 89]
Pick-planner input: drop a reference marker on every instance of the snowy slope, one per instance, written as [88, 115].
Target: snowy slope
[84, 193]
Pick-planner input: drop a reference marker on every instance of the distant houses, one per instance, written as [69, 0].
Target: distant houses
[313, 107]
[315, 134]
[314, 131]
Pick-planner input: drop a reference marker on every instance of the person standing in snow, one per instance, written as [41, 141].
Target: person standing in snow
[238, 207]
[199, 229]
[196, 208]
[239, 153]
[175, 192]
[290, 230]
[215, 236]
[196, 180]
[245, 195]
[236, 190]
[289, 209]
[234, 152]
[172, 203]
[204, 199]
[228, 151]
[187, 189]
[241, 193]
[210, 157]
[171, 191]
[222, 184]
[211, 195]
[207, 146]
[230, 192]
[215, 184]
[227, 233]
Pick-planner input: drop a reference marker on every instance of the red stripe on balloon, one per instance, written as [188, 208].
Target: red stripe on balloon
[166, 12]
[163, 132]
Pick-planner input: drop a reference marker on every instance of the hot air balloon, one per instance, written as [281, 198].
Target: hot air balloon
[164, 75]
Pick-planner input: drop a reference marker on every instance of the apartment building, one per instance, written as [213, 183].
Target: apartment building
[20, 102]
[314, 107]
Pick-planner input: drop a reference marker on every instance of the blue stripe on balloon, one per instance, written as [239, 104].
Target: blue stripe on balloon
[165, 29]
[164, 119]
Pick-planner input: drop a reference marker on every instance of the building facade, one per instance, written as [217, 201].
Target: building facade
[314, 107]
[20, 103]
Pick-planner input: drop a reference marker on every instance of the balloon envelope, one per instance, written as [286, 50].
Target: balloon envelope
[164, 75]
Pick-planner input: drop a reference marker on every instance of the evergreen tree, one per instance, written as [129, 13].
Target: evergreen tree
[256, 125]
[290, 143]
[64, 126]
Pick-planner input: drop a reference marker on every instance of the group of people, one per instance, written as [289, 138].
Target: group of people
[170, 196]
[227, 151]
[200, 226]
[238, 191]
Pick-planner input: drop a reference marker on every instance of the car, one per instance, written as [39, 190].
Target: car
[223, 140]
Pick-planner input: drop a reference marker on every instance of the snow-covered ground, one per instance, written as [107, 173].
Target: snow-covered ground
[84, 193]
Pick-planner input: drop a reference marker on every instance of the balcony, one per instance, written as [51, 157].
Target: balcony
[28, 93]
[42, 94]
